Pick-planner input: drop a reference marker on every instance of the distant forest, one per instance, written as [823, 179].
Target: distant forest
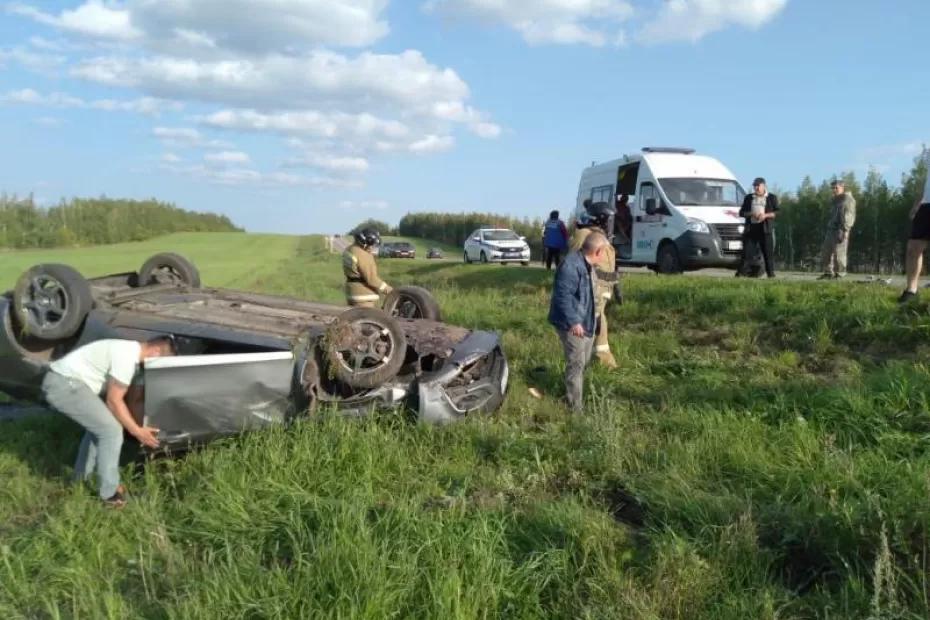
[92, 221]
[877, 244]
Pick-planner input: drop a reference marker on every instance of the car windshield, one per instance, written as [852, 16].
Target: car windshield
[403, 246]
[702, 192]
[500, 235]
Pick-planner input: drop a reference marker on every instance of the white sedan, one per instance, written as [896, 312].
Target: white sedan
[496, 245]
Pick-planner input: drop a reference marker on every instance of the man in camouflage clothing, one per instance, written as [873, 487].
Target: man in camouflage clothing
[363, 286]
[836, 243]
[599, 217]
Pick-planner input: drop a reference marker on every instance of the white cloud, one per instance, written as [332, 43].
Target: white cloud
[48, 121]
[403, 80]
[142, 105]
[604, 22]
[432, 144]
[691, 20]
[338, 164]
[258, 66]
[240, 175]
[262, 25]
[39, 62]
[170, 158]
[94, 18]
[364, 205]
[227, 157]
[590, 22]
[186, 137]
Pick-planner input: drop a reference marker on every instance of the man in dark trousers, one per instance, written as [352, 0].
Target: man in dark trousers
[572, 312]
[555, 239]
[759, 209]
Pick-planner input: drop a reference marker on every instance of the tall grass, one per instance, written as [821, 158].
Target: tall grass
[763, 452]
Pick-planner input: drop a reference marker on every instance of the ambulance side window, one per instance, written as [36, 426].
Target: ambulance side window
[604, 193]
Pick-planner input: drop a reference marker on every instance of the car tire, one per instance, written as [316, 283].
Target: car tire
[483, 257]
[51, 301]
[364, 348]
[467, 260]
[667, 259]
[412, 302]
[169, 268]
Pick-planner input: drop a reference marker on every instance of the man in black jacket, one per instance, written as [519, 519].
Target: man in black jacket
[759, 209]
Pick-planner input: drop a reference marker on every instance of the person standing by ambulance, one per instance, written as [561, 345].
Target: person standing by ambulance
[363, 286]
[555, 240]
[599, 217]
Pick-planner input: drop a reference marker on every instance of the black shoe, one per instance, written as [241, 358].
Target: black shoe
[906, 296]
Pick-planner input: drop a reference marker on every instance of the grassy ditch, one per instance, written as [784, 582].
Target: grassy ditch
[763, 452]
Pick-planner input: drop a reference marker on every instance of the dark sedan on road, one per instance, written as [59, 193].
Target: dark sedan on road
[247, 360]
[400, 249]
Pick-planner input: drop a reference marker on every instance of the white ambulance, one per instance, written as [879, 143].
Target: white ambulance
[676, 210]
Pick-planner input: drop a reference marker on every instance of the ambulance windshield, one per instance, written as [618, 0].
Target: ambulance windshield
[692, 192]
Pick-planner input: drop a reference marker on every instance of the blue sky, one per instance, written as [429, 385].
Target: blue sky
[310, 115]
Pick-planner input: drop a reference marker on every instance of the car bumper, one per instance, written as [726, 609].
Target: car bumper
[699, 250]
[501, 257]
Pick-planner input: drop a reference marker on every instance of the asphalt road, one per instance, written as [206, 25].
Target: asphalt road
[339, 244]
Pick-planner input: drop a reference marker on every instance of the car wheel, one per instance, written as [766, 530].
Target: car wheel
[467, 260]
[483, 257]
[412, 302]
[668, 261]
[50, 302]
[364, 348]
[169, 268]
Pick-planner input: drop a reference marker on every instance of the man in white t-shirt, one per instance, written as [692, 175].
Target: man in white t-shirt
[90, 385]
[920, 236]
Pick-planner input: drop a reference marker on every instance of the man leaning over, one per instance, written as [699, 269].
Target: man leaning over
[363, 286]
[90, 386]
[571, 312]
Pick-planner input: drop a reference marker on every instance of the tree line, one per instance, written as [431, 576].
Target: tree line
[877, 243]
[91, 221]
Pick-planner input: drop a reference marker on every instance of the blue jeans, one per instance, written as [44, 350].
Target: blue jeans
[103, 441]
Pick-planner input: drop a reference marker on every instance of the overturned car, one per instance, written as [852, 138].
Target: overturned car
[247, 360]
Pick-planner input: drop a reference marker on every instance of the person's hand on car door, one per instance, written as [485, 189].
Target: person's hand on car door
[147, 436]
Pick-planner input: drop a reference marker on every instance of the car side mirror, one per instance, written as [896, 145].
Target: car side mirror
[522, 238]
[651, 206]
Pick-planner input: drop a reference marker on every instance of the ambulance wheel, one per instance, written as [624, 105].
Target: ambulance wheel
[667, 260]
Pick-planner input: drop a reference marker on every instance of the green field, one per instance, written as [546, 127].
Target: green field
[224, 259]
[763, 452]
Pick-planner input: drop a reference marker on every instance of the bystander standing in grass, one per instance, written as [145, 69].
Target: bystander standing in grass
[836, 242]
[917, 244]
[74, 386]
[555, 240]
[572, 312]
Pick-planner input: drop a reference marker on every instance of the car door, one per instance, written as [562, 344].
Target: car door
[471, 246]
[648, 228]
[195, 398]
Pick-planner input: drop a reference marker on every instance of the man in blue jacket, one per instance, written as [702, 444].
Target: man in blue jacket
[572, 312]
